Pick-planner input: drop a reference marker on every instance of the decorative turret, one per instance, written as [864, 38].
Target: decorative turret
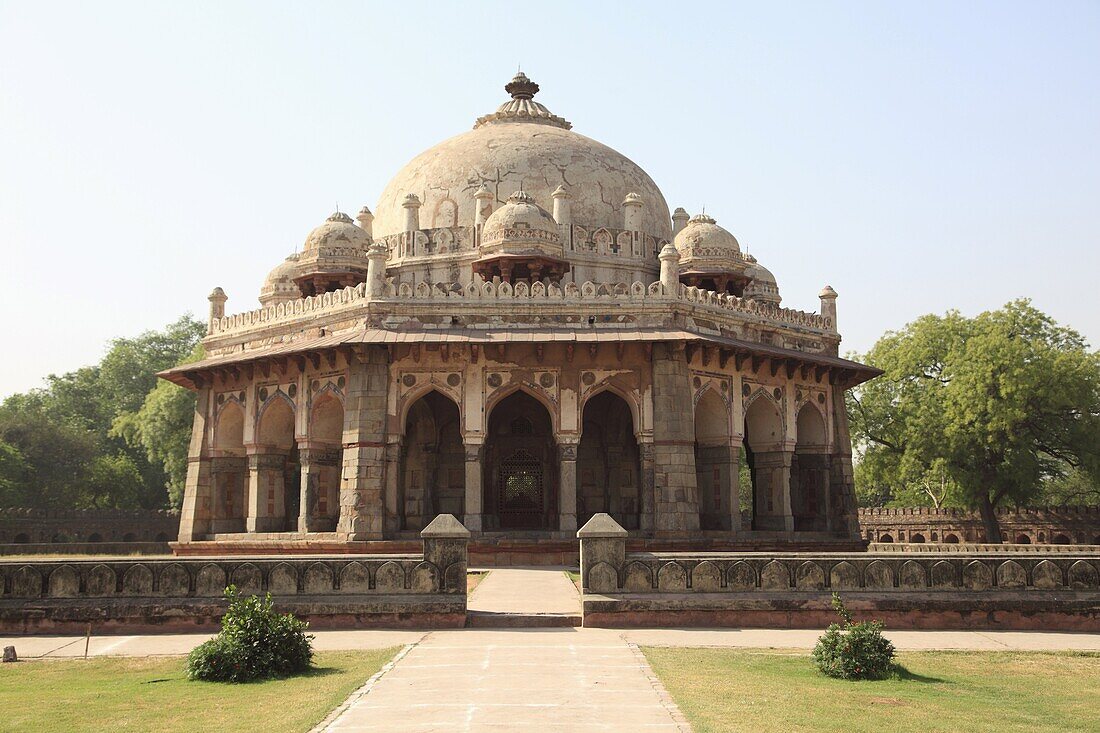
[217, 300]
[563, 214]
[670, 268]
[828, 304]
[412, 212]
[521, 241]
[522, 107]
[710, 257]
[483, 205]
[680, 219]
[366, 221]
[376, 269]
[633, 212]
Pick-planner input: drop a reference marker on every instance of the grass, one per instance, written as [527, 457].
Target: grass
[575, 576]
[152, 693]
[769, 690]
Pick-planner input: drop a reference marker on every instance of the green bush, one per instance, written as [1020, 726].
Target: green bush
[254, 642]
[854, 651]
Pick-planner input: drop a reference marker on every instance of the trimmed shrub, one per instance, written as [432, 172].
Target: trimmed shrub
[854, 650]
[254, 642]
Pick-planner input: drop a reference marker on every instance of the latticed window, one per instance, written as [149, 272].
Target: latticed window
[522, 426]
[520, 489]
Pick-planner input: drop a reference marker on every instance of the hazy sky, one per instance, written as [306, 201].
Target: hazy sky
[918, 157]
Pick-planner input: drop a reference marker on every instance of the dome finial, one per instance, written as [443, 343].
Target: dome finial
[521, 87]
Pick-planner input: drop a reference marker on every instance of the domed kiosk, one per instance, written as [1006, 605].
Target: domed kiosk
[520, 335]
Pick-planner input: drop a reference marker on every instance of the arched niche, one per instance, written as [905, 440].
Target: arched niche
[229, 470]
[432, 470]
[276, 469]
[810, 471]
[275, 428]
[608, 461]
[321, 461]
[520, 465]
[716, 464]
[326, 419]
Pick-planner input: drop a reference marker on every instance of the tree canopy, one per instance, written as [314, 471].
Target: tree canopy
[79, 441]
[985, 411]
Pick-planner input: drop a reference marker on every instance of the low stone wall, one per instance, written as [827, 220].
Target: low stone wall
[976, 589]
[19, 526]
[88, 548]
[1050, 525]
[426, 590]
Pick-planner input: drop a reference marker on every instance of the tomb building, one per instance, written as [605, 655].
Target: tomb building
[520, 334]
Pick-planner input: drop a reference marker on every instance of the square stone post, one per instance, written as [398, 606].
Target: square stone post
[229, 476]
[197, 507]
[394, 500]
[567, 482]
[362, 482]
[445, 541]
[733, 485]
[473, 501]
[603, 553]
[676, 497]
[647, 482]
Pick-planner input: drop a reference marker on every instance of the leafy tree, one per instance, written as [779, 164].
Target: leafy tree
[13, 476]
[162, 428]
[1002, 404]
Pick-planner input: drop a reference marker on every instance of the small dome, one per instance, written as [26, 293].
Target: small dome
[279, 285]
[762, 286]
[702, 237]
[337, 231]
[521, 221]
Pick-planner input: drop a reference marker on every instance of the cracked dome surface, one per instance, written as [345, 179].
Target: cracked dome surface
[510, 156]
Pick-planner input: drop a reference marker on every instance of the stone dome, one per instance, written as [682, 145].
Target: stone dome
[703, 237]
[279, 284]
[337, 231]
[763, 285]
[521, 221]
[521, 146]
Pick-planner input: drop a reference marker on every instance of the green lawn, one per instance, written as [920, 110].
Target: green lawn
[152, 694]
[769, 690]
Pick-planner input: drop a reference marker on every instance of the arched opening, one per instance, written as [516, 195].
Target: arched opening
[229, 469]
[767, 464]
[95, 537]
[935, 537]
[918, 538]
[22, 538]
[885, 538]
[432, 477]
[951, 539]
[1023, 539]
[608, 462]
[277, 469]
[1060, 539]
[521, 468]
[716, 465]
[810, 472]
[321, 459]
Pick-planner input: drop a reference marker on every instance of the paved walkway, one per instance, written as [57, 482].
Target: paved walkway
[526, 592]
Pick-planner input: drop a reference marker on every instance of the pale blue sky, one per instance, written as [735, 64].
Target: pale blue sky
[916, 156]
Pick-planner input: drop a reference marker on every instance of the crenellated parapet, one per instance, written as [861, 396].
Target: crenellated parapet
[1020, 525]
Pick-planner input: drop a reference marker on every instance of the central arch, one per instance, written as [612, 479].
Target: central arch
[521, 472]
[608, 461]
[810, 472]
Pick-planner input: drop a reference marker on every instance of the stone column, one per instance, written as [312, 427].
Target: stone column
[843, 509]
[646, 483]
[676, 498]
[197, 505]
[363, 474]
[567, 484]
[773, 499]
[473, 503]
[266, 490]
[394, 500]
[734, 484]
[228, 480]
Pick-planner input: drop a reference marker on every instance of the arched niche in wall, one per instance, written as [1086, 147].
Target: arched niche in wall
[432, 476]
[608, 461]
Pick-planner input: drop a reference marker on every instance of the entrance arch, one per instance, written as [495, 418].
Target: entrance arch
[715, 465]
[521, 472]
[810, 472]
[321, 459]
[229, 470]
[608, 462]
[432, 476]
[275, 473]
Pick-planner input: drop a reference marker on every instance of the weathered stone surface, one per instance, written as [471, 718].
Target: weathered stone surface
[977, 575]
[99, 581]
[672, 578]
[809, 576]
[844, 576]
[775, 576]
[210, 581]
[354, 578]
[706, 578]
[247, 578]
[282, 580]
[64, 582]
[1082, 574]
[944, 575]
[912, 575]
[137, 581]
[878, 575]
[1046, 575]
[317, 579]
[10, 655]
[174, 580]
[638, 578]
[741, 576]
[390, 578]
[602, 578]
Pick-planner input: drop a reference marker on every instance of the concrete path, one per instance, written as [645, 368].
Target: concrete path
[514, 680]
[526, 593]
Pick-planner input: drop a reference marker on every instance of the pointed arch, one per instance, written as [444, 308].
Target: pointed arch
[419, 392]
[531, 391]
[275, 422]
[326, 417]
[520, 464]
[229, 429]
[810, 427]
[608, 459]
[628, 396]
[431, 473]
[716, 462]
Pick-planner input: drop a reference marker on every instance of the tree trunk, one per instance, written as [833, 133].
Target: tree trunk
[989, 520]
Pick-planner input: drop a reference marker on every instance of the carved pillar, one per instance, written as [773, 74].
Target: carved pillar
[363, 477]
[320, 489]
[473, 519]
[567, 494]
[266, 491]
[676, 498]
[394, 501]
[734, 484]
[195, 513]
[646, 482]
